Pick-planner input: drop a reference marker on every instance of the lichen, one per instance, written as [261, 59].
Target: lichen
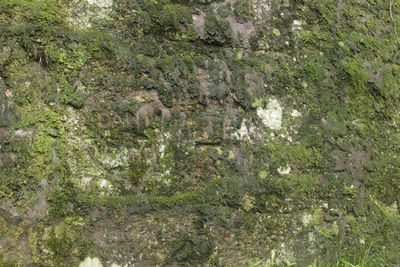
[271, 114]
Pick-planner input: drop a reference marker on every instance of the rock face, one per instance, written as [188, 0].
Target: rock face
[199, 133]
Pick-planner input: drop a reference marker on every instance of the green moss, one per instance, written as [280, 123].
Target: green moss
[47, 139]
[77, 99]
[384, 168]
[63, 199]
[217, 31]
[357, 74]
[6, 262]
[74, 59]
[40, 12]
[224, 10]
[314, 69]
[276, 32]
[137, 170]
[243, 11]
[192, 250]
[170, 20]
[391, 86]
[66, 244]
[301, 154]
[330, 232]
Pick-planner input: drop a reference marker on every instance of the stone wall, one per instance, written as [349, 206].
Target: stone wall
[199, 133]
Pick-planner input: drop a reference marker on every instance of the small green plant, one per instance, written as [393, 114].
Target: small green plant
[218, 31]
[356, 73]
[75, 59]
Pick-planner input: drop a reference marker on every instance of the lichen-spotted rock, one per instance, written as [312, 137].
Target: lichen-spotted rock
[199, 133]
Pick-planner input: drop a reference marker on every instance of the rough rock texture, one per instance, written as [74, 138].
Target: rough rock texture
[199, 133]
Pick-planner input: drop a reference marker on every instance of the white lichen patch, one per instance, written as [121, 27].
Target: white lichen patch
[284, 170]
[271, 115]
[94, 262]
[286, 136]
[167, 135]
[84, 12]
[85, 181]
[244, 132]
[104, 184]
[161, 150]
[101, 3]
[295, 113]
[22, 133]
[163, 143]
[306, 219]
[114, 158]
[91, 262]
[296, 26]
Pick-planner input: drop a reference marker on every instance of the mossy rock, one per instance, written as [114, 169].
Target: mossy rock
[217, 31]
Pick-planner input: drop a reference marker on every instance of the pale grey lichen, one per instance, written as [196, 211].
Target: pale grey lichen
[91, 262]
[284, 170]
[95, 262]
[84, 12]
[271, 115]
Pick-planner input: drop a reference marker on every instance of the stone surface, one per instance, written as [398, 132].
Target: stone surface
[199, 133]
